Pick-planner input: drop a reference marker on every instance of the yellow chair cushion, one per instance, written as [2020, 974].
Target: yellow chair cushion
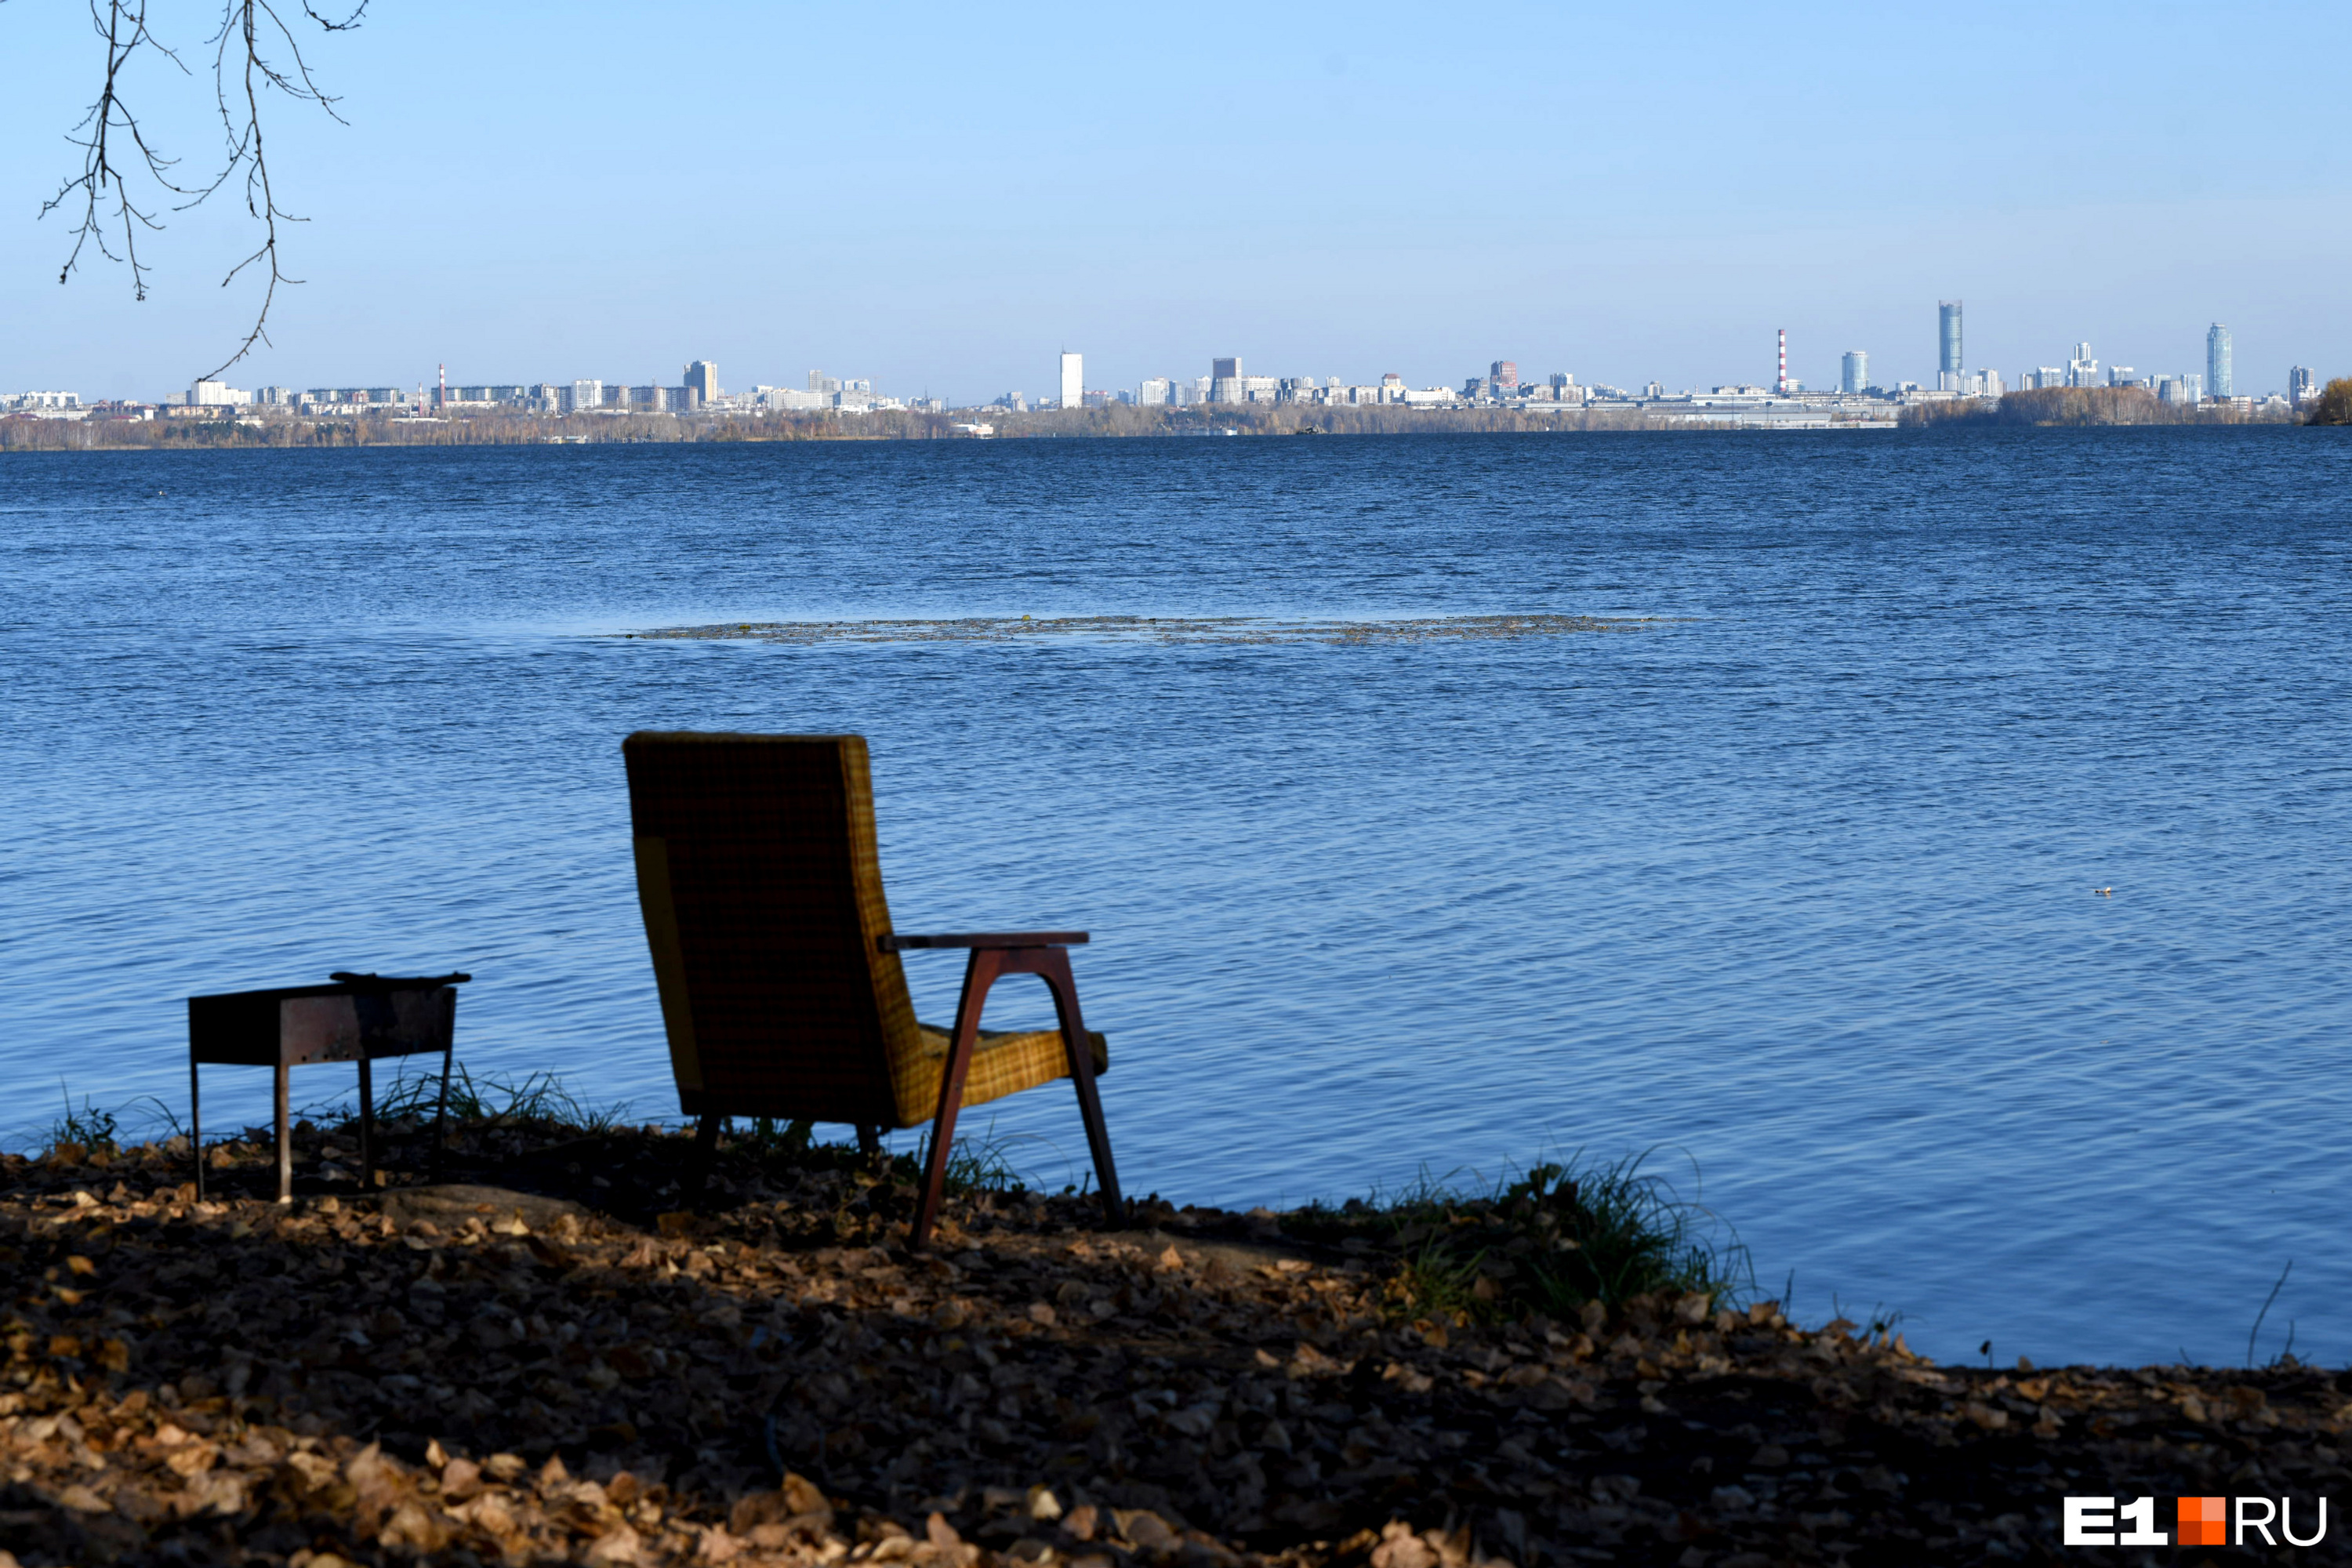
[1002, 1064]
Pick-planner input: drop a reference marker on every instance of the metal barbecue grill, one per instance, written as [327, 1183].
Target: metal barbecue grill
[359, 1018]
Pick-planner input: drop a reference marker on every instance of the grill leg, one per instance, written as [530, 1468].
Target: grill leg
[441, 1111]
[195, 1127]
[706, 1149]
[367, 1127]
[869, 1138]
[285, 1135]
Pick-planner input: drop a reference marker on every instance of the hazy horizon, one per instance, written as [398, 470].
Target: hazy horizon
[940, 202]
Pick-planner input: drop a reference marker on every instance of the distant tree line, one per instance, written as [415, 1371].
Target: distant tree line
[2074, 406]
[2333, 406]
[2045, 407]
[31, 434]
[501, 429]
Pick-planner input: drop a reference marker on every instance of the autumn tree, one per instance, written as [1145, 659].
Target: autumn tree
[2334, 403]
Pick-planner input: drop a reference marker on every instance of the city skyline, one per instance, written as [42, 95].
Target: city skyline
[1948, 353]
[700, 385]
[1356, 190]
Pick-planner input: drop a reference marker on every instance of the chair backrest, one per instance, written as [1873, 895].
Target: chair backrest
[763, 898]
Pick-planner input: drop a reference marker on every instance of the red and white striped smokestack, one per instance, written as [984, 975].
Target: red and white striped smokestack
[1780, 387]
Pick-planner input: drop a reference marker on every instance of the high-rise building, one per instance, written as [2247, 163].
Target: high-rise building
[1074, 380]
[2083, 370]
[1504, 375]
[1948, 343]
[702, 380]
[586, 394]
[2302, 384]
[1853, 372]
[1225, 380]
[2217, 360]
[1153, 393]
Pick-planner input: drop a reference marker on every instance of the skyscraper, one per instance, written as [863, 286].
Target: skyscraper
[1505, 373]
[2217, 361]
[702, 380]
[1948, 343]
[1853, 372]
[1225, 380]
[1074, 380]
[2302, 384]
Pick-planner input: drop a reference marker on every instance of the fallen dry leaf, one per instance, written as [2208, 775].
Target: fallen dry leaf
[774, 1378]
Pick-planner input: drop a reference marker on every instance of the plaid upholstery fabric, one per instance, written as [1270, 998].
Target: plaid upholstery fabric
[1002, 1064]
[763, 898]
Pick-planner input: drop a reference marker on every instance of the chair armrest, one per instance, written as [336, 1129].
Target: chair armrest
[898, 943]
[396, 983]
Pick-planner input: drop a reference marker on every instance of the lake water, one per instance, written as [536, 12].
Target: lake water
[1793, 885]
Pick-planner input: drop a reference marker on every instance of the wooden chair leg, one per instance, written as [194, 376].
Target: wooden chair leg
[1054, 970]
[979, 974]
[697, 1162]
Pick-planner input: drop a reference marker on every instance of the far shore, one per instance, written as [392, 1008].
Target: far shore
[251, 430]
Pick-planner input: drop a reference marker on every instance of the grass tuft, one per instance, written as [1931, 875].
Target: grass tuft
[983, 1164]
[81, 1132]
[1542, 1242]
[536, 1103]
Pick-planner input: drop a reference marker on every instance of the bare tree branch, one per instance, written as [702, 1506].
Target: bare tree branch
[123, 25]
[246, 26]
[253, 39]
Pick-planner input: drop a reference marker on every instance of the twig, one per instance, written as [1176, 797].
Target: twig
[2266, 1312]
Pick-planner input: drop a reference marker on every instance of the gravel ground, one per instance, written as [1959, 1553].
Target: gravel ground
[537, 1372]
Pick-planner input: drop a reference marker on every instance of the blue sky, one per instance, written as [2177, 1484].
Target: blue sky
[939, 198]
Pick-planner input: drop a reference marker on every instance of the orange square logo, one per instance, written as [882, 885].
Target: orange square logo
[2204, 1522]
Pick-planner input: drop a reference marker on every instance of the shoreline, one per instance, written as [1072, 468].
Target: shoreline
[278, 432]
[573, 1364]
